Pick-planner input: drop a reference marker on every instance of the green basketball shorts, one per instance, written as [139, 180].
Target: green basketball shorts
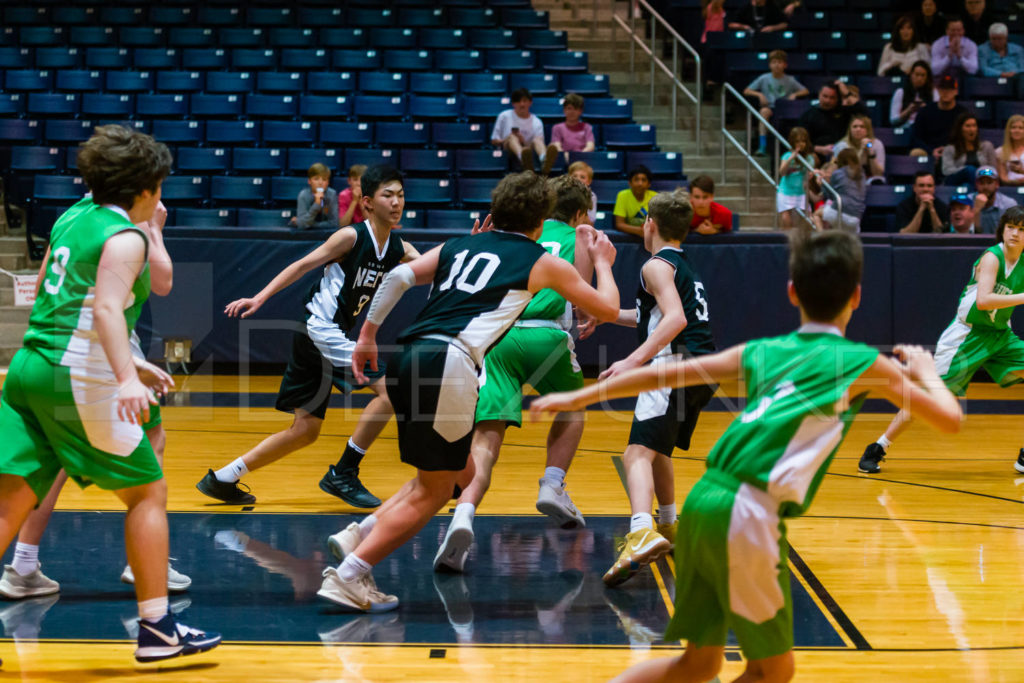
[963, 349]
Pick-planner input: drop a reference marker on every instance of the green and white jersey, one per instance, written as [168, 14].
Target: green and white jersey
[798, 411]
[559, 240]
[61, 324]
[479, 290]
[1009, 280]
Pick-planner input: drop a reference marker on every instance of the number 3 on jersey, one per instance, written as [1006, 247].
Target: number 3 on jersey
[59, 267]
[481, 279]
[698, 292]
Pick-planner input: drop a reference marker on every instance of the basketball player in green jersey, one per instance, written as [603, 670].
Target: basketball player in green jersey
[74, 398]
[538, 350]
[481, 285]
[353, 260]
[980, 335]
[803, 391]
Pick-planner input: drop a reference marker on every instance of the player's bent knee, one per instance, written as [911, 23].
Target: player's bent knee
[305, 432]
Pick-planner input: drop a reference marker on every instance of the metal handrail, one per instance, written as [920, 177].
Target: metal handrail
[752, 114]
[672, 73]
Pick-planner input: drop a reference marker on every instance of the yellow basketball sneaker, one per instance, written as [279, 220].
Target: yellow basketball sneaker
[669, 532]
[639, 549]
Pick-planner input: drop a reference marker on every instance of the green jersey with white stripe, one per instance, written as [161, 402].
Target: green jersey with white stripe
[61, 325]
[558, 239]
[1008, 281]
[797, 413]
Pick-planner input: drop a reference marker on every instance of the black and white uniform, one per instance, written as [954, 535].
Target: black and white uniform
[479, 290]
[322, 354]
[666, 417]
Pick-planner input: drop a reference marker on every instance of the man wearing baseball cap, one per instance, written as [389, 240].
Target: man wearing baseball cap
[961, 214]
[935, 120]
[989, 203]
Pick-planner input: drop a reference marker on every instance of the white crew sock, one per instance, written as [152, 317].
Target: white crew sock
[884, 442]
[353, 567]
[153, 610]
[554, 475]
[641, 520]
[366, 525]
[464, 510]
[26, 558]
[667, 513]
[357, 449]
[232, 472]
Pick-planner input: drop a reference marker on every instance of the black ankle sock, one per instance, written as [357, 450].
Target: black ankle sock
[349, 459]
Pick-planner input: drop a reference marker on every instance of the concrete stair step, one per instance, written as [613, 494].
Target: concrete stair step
[11, 333]
[15, 314]
[13, 261]
[6, 354]
[6, 294]
[12, 245]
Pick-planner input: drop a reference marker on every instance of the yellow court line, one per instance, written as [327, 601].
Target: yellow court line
[822, 608]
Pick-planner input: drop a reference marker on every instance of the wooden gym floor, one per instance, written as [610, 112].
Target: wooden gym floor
[913, 574]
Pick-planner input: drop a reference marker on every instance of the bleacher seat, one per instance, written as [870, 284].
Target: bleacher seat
[92, 36]
[129, 81]
[76, 80]
[57, 58]
[58, 188]
[232, 132]
[179, 81]
[140, 36]
[983, 110]
[176, 132]
[661, 164]
[324, 106]
[370, 157]
[370, 17]
[35, 159]
[305, 59]
[203, 159]
[896, 140]
[454, 219]
[12, 104]
[229, 82]
[481, 161]
[472, 17]
[484, 107]
[285, 189]
[457, 134]
[437, 38]
[356, 60]
[434, 83]
[429, 191]
[114, 15]
[493, 39]
[248, 160]
[393, 38]
[426, 161]
[549, 109]
[348, 38]
[107, 58]
[345, 133]
[849, 63]
[107, 105]
[179, 37]
[524, 18]
[330, 82]
[585, 84]
[977, 87]
[204, 58]
[537, 83]
[459, 60]
[28, 80]
[422, 16]
[415, 219]
[213, 15]
[544, 40]
[253, 59]
[52, 104]
[483, 84]
[855, 21]
[476, 192]
[511, 60]
[629, 135]
[35, 36]
[264, 218]
[15, 58]
[300, 159]
[558, 60]
[206, 105]
[66, 131]
[288, 133]
[901, 169]
[185, 189]
[169, 15]
[241, 189]
[822, 41]
[1005, 109]
[24, 15]
[402, 134]
[271, 106]
[609, 110]
[383, 83]
[287, 37]
[269, 16]
[435, 107]
[610, 164]
[235, 36]
[408, 60]
[881, 87]
[204, 218]
[67, 15]
[380, 106]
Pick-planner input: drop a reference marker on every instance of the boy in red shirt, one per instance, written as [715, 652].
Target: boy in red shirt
[709, 217]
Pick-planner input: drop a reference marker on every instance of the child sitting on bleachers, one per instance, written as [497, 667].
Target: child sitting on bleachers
[709, 217]
[581, 171]
[772, 86]
[848, 181]
[317, 205]
[349, 210]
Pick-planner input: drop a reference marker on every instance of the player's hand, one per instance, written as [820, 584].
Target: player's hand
[159, 217]
[479, 227]
[919, 363]
[133, 401]
[619, 367]
[602, 249]
[242, 308]
[560, 402]
[586, 323]
[365, 352]
[154, 377]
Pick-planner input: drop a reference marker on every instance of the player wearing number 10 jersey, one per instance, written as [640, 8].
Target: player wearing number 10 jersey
[481, 285]
[354, 261]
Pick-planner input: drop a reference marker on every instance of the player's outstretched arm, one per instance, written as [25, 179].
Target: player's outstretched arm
[715, 368]
[987, 300]
[161, 270]
[914, 386]
[551, 272]
[335, 247]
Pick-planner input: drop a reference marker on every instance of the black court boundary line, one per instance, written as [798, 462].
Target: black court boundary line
[845, 623]
[926, 486]
[320, 643]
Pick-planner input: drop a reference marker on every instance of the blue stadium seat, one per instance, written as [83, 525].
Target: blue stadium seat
[345, 133]
[36, 36]
[493, 39]
[554, 60]
[234, 36]
[253, 59]
[68, 15]
[177, 132]
[25, 15]
[449, 134]
[257, 160]
[544, 40]
[305, 59]
[402, 134]
[393, 38]
[218, 82]
[238, 189]
[345, 38]
[280, 82]
[204, 58]
[330, 82]
[370, 17]
[284, 37]
[264, 218]
[107, 105]
[57, 58]
[442, 38]
[661, 164]
[484, 107]
[604, 220]
[481, 161]
[459, 60]
[408, 60]
[429, 191]
[415, 219]
[537, 83]
[170, 15]
[76, 80]
[476, 192]
[886, 196]
[983, 109]
[609, 110]
[322, 17]
[28, 80]
[180, 37]
[383, 83]
[370, 157]
[203, 159]
[63, 131]
[977, 87]
[823, 41]
[435, 107]
[611, 164]
[629, 135]
[356, 60]
[511, 60]
[52, 104]
[185, 189]
[896, 140]
[58, 188]
[849, 63]
[524, 18]
[812, 21]
[113, 15]
[146, 58]
[271, 106]
[483, 84]
[900, 168]
[1005, 109]
[205, 105]
[776, 40]
[15, 58]
[269, 16]
[588, 85]
[212, 15]
[92, 36]
[808, 63]
[179, 81]
[300, 159]
[472, 17]
[421, 17]
[547, 108]
[140, 36]
[427, 161]
[12, 104]
[130, 81]
[286, 189]
[380, 106]
[855, 21]
[204, 218]
[289, 133]
[107, 58]
[607, 190]
[454, 219]
[434, 83]
[878, 86]
[325, 106]
[232, 132]
[37, 159]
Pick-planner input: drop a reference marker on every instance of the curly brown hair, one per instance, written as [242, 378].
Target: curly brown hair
[571, 198]
[521, 202]
[118, 164]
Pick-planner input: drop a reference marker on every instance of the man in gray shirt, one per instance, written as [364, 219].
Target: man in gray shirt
[989, 203]
[317, 205]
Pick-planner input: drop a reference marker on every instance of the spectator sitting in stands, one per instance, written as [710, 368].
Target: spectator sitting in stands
[966, 153]
[922, 212]
[317, 205]
[978, 19]
[861, 139]
[713, 12]
[999, 57]
[709, 217]
[792, 193]
[581, 171]
[904, 51]
[961, 215]
[829, 121]
[521, 134]
[912, 97]
[1010, 155]
[573, 135]
[760, 16]
[770, 87]
[989, 202]
[929, 23]
[350, 210]
[631, 204]
[954, 54]
[931, 131]
[847, 179]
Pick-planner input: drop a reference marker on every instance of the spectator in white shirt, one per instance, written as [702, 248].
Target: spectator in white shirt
[905, 50]
[521, 134]
[954, 54]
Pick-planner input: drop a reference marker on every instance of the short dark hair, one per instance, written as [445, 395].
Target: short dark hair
[319, 170]
[1015, 215]
[922, 174]
[521, 202]
[672, 214]
[704, 183]
[375, 176]
[520, 94]
[637, 170]
[571, 197]
[118, 164]
[825, 268]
